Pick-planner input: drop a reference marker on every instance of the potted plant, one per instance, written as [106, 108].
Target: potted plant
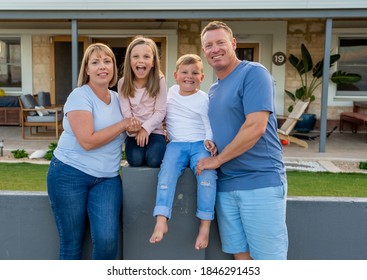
[311, 77]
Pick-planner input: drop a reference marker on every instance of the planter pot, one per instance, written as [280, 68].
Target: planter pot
[306, 123]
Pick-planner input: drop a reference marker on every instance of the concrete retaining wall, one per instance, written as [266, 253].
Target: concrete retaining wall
[319, 228]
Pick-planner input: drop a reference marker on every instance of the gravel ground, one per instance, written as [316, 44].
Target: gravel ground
[349, 166]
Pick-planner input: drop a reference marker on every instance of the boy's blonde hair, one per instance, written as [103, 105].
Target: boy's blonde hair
[152, 86]
[99, 48]
[188, 59]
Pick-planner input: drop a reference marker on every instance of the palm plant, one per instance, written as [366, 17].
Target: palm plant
[304, 66]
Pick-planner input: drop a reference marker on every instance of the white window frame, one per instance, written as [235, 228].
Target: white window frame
[26, 62]
[333, 99]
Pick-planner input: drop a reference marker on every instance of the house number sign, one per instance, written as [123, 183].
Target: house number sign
[279, 58]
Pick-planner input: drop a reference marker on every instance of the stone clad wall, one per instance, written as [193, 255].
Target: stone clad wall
[41, 63]
[189, 37]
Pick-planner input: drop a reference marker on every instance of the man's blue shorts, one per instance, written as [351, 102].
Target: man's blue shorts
[254, 221]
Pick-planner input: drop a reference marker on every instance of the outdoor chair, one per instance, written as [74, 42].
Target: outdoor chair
[287, 127]
[36, 117]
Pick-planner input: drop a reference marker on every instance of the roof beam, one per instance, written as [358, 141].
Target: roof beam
[182, 14]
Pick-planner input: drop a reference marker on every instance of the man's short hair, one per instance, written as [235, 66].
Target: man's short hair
[216, 25]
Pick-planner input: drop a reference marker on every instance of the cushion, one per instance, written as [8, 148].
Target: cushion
[49, 118]
[9, 101]
[41, 112]
[2, 92]
[29, 102]
[38, 154]
[44, 98]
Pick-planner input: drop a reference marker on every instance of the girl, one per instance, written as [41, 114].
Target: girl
[143, 96]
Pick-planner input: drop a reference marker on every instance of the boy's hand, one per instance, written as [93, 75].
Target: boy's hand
[210, 146]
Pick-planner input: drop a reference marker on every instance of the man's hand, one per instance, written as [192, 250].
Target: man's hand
[207, 163]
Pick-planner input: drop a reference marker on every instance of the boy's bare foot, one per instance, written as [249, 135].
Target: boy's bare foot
[160, 229]
[202, 240]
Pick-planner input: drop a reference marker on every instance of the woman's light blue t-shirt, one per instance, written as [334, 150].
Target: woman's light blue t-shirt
[100, 162]
[247, 89]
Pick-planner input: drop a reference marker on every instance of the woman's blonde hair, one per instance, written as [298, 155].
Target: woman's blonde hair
[152, 86]
[99, 48]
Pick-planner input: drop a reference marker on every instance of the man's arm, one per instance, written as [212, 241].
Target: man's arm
[250, 132]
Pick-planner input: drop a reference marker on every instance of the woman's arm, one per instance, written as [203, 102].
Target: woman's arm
[81, 122]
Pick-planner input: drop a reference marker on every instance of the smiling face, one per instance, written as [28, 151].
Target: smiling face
[141, 62]
[100, 68]
[189, 77]
[219, 49]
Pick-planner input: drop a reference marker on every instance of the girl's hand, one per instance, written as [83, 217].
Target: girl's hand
[210, 146]
[142, 137]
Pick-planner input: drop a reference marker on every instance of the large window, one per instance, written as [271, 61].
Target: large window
[353, 51]
[10, 63]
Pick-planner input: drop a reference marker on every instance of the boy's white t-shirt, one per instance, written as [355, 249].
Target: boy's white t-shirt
[187, 116]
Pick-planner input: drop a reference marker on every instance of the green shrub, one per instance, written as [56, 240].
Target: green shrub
[52, 146]
[20, 153]
[363, 165]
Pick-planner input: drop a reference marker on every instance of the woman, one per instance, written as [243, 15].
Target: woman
[83, 178]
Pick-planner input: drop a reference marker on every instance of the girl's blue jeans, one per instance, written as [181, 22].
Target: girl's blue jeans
[76, 196]
[150, 155]
[178, 156]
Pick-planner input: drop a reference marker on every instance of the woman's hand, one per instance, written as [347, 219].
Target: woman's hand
[132, 125]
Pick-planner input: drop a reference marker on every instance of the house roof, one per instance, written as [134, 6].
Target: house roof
[188, 9]
[180, 5]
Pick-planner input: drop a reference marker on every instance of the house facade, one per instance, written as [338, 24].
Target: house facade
[42, 42]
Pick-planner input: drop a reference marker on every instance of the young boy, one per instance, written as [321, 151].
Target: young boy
[190, 138]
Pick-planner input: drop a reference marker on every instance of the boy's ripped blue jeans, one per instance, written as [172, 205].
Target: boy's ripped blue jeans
[178, 156]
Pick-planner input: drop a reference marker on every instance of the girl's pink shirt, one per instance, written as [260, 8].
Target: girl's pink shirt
[148, 110]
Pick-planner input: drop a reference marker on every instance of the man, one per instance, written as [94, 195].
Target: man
[252, 184]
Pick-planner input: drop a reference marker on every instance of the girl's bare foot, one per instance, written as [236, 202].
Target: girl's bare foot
[202, 240]
[160, 229]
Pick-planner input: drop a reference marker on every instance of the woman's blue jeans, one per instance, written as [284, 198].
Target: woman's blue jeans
[76, 196]
[178, 156]
[150, 155]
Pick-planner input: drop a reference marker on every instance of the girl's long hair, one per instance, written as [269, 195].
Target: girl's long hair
[155, 74]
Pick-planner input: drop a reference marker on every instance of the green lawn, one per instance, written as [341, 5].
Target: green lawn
[32, 177]
[23, 176]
